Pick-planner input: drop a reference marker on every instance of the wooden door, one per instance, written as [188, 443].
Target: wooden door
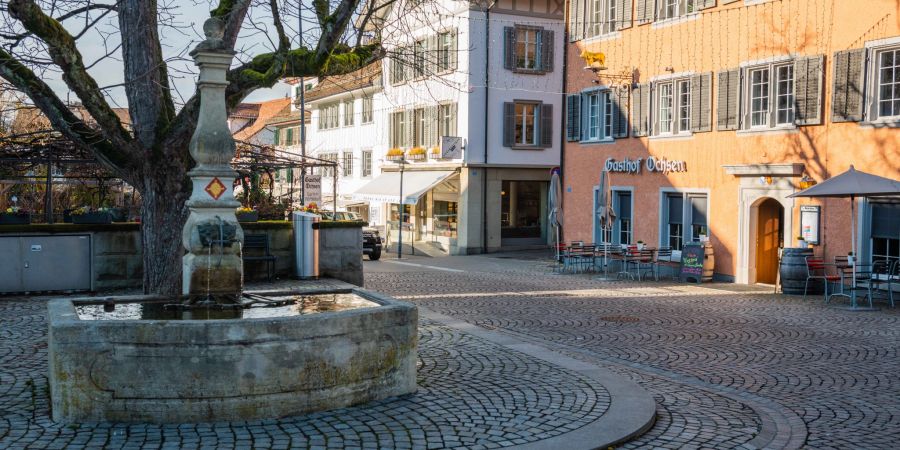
[768, 239]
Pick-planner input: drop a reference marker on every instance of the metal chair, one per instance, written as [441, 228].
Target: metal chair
[816, 270]
[882, 271]
[664, 259]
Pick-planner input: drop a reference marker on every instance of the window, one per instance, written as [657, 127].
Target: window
[684, 105]
[885, 231]
[348, 113]
[597, 116]
[399, 126]
[328, 116]
[447, 120]
[528, 49]
[418, 125]
[328, 171]
[623, 216]
[395, 214]
[366, 163]
[444, 214]
[602, 17]
[367, 110]
[770, 98]
[348, 164]
[419, 59]
[445, 48]
[665, 109]
[671, 9]
[523, 209]
[888, 84]
[673, 110]
[526, 124]
[400, 65]
[680, 207]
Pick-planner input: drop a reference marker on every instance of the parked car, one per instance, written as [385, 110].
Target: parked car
[372, 242]
[340, 215]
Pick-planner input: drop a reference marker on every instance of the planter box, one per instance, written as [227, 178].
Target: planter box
[393, 157]
[97, 217]
[420, 157]
[247, 216]
[15, 219]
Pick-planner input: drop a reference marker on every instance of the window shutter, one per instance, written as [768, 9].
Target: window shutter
[289, 136]
[408, 137]
[546, 125]
[576, 20]
[705, 4]
[645, 9]
[640, 105]
[278, 132]
[620, 112]
[452, 129]
[547, 50]
[623, 14]
[849, 67]
[701, 103]
[728, 99]
[431, 55]
[808, 83]
[509, 124]
[725, 2]
[573, 117]
[431, 132]
[509, 48]
[409, 62]
[454, 50]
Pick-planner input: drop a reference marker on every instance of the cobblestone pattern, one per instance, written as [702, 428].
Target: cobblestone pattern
[471, 394]
[837, 370]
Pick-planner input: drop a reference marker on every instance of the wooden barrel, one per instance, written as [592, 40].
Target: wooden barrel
[709, 262]
[793, 272]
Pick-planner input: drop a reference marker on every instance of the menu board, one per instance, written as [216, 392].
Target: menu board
[692, 262]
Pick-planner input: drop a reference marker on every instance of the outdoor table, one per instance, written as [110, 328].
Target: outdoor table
[843, 268]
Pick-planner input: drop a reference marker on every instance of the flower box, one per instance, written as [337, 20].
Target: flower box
[393, 157]
[92, 218]
[416, 157]
[250, 216]
[15, 219]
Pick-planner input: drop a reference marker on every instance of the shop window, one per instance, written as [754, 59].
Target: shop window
[366, 163]
[445, 218]
[523, 209]
[681, 207]
[395, 215]
[885, 232]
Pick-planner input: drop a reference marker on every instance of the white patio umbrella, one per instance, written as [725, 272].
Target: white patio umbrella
[606, 216]
[852, 184]
[555, 203]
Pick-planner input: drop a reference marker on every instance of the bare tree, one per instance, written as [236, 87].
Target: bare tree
[43, 39]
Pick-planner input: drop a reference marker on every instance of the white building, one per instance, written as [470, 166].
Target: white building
[347, 127]
[492, 77]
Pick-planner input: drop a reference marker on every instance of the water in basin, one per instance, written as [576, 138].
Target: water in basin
[298, 305]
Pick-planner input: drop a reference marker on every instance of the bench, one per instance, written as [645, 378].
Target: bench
[255, 242]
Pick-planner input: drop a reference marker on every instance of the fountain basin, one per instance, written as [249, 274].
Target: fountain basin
[167, 371]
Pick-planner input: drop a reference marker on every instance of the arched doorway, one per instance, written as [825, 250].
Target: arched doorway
[769, 237]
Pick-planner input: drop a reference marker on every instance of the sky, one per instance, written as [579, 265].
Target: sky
[189, 24]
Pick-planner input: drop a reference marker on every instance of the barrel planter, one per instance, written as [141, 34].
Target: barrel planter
[793, 272]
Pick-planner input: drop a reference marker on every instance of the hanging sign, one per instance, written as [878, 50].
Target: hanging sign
[451, 147]
[652, 164]
[312, 189]
[809, 224]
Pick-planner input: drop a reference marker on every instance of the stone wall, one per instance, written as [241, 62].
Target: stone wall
[117, 262]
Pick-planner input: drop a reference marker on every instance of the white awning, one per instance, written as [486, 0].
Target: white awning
[386, 188]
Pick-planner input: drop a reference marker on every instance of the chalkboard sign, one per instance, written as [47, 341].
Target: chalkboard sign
[692, 262]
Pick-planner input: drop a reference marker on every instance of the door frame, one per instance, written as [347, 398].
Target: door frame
[755, 232]
[751, 194]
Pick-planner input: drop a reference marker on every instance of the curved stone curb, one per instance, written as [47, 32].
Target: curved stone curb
[632, 410]
[780, 427]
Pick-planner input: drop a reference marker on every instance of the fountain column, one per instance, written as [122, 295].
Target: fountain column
[212, 267]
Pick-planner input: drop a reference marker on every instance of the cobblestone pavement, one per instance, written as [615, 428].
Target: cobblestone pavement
[472, 394]
[724, 362]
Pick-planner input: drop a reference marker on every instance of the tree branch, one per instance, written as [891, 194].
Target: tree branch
[63, 119]
[233, 13]
[65, 54]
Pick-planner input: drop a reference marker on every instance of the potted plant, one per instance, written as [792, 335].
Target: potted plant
[15, 215]
[640, 245]
[850, 258]
[416, 154]
[88, 215]
[394, 154]
[246, 214]
[801, 242]
[436, 153]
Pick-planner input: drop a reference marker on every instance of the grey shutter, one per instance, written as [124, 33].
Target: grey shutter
[808, 81]
[849, 67]
[620, 113]
[645, 11]
[577, 14]
[408, 138]
[431, 127]
[431, 55]
[454, 49]
[573, 117]
[640, 106]
[623, 14]
[547, 50]
[701, 103]
[704, 4]
[546, 130]
[509, 124]
[676, 208]
[509, 48]
[452, 131]
[728, 100]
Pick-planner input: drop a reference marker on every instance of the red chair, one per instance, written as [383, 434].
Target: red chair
[817, 269]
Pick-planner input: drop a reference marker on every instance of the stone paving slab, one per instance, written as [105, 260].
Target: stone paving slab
[476, 390]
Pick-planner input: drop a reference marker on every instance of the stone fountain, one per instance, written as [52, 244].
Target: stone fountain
[218, 353]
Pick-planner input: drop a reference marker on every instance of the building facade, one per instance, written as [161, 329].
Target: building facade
[473, 110]
[709, 114]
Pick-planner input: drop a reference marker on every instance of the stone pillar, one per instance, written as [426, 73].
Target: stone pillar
[212, 268]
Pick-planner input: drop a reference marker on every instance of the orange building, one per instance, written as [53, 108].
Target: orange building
[708, 114]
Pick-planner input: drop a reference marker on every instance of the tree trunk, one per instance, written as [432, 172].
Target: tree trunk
[162, 217]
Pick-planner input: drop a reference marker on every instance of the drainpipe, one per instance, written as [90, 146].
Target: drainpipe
[487, 120]
[562, 122]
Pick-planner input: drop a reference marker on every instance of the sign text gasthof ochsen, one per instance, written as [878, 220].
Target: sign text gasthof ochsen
[313, 188]
[652, 164]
